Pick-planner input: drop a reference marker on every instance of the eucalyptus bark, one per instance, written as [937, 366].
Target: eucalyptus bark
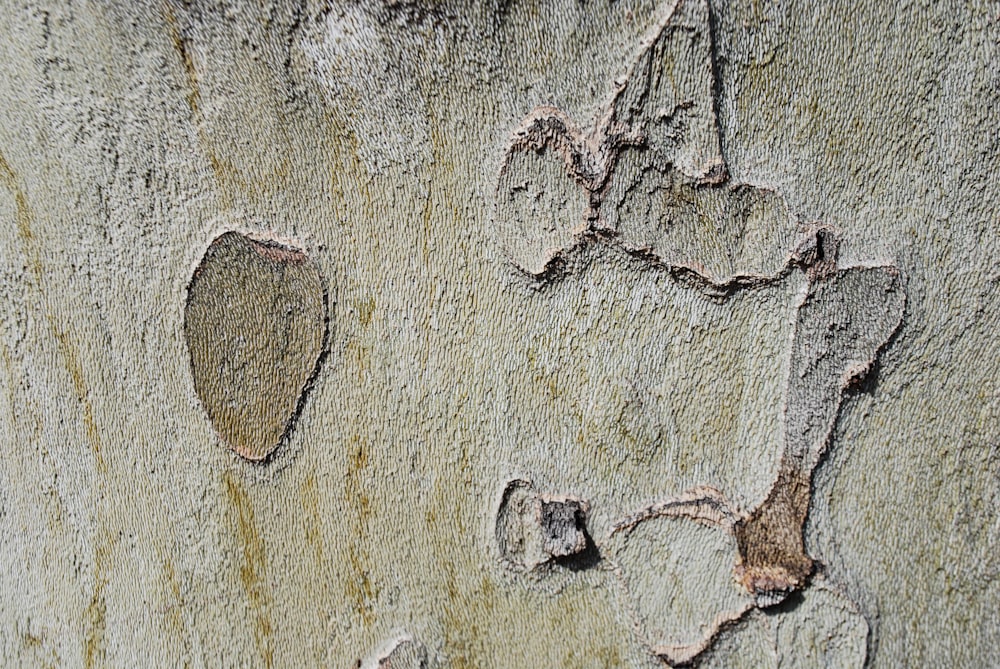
[509, 334]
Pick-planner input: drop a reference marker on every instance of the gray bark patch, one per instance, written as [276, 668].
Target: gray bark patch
[648, 176]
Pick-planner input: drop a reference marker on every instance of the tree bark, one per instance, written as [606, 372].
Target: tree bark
[510, 334]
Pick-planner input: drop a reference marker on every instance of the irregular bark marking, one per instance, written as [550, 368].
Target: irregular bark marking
[24, 231]
[182, 45]
[174, 610]
[844, 319]
[563, 521]
[842, 324]
[679, 600]
[72, 364]
[342, 47]
[667, 102]
[309, 496]
[535, 530]
[540, 212]
[702, 504]
[820, 627]
[649, 177]
[359, 585]
[772, 558]
[255, 323]
[679, 655]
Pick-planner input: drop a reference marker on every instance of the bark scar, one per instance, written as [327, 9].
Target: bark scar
[649, 178]
[844, 320]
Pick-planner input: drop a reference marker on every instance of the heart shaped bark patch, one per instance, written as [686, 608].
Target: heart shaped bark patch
[255, 324]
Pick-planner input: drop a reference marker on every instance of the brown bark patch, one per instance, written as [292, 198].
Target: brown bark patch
[772, 553]
[255, 324]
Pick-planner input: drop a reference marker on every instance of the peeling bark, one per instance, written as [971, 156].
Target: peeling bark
[504, 334]
[255, 324]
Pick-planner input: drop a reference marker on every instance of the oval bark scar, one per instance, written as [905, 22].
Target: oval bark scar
[255, 325]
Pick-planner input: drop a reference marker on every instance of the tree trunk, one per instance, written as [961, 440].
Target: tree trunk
[512, 334]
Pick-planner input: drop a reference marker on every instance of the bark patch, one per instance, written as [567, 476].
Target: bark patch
[255, 325]
[535, 530]
[648, 176]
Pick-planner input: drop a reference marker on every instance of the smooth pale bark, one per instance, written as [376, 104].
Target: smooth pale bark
[644, 332]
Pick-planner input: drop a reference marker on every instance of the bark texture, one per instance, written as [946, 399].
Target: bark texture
[426, 333]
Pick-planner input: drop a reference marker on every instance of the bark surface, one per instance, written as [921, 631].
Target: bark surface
[426, 333]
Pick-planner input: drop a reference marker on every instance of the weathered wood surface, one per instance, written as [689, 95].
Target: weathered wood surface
[565, 334]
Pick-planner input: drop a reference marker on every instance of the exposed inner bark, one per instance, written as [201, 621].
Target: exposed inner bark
[772, 553]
